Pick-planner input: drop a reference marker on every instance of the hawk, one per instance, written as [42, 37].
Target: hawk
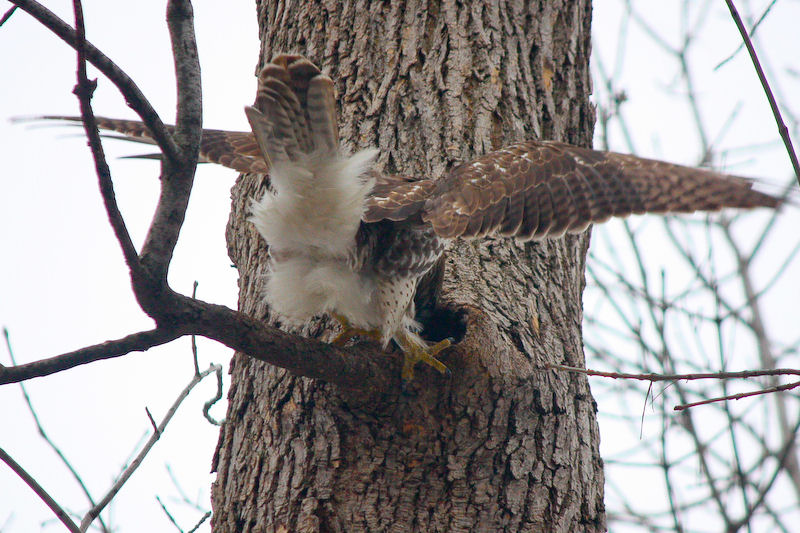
[346, 240]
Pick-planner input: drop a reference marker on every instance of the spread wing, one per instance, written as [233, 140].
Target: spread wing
[539, 189]
[233, 149]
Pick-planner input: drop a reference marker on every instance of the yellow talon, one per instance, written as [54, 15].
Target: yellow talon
[349, 331]
[413, 354]
[413, 351]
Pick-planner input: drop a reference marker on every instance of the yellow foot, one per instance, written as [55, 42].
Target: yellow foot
[413, 353]
[349, 331]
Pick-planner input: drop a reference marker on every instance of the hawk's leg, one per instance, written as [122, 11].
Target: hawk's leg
[414, 352]
[349, 331]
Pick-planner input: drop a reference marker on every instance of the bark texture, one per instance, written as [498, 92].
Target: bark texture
[502, 445]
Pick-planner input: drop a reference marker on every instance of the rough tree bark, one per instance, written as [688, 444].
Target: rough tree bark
[503, 445]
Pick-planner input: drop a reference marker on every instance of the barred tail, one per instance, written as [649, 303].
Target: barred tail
[294, 112]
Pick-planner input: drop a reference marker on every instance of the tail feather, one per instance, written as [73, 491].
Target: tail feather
[295, 110]
[322, 113]
[273, 132]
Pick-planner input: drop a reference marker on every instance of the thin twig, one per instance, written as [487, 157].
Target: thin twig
[35, 487]
[776, 112]
[169, 515]
[94, 511]
[210, 403]
[194, 337]
[84, 90]
[133, 95]
[46, 437]
[152, 421]
[184, 497]
[200, 522]
[750, 34]
[676, 377]
[7, 15]
[779, 388]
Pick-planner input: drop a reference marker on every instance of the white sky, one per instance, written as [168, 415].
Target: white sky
[63, 284]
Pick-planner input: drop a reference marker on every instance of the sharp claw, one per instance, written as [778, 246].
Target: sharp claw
[414, 354]
[349, 331]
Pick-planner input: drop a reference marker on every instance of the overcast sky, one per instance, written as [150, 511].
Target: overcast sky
[63, 284]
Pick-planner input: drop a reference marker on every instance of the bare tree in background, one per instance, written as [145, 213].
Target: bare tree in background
[729, 466]
[324, 440]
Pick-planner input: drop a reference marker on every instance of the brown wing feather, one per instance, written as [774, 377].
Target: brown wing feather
[541, 189]
[233, 149]
[295, 110]
[396, 197]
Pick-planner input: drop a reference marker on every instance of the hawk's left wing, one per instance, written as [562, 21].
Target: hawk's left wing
[539, 189]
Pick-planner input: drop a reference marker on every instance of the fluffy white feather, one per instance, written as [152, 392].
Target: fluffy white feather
[310, 223]
[300, 288]
[318, 202]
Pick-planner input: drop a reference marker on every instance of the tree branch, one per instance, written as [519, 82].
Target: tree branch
[210, 403]
[178, 175]
[159, 430]
[701, 375]
[136, 342]
[739, 396]
[45, 497]
[361, 367]
[47, 438]
[133, 95]
[84, 90]
[782, 129]
[7, 15]
[676, 377]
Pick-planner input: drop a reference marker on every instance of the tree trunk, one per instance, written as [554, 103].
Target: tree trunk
[502, 445]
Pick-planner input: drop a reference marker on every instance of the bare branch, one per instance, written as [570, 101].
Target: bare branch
[46, 437]
[136, 342]
[133, 95]
[638, 312]
[84, 90]
[7, 15]
[194, 338]
[189, 118]
[676, 377]
[787, 386]
[361, 367]
[184, 497]
[782, 129]
[169, 515]
[45, 497]
[200, 522]
[152, 420]
[159, 430]
[750, 34]
[178, 175]
[210, 403]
